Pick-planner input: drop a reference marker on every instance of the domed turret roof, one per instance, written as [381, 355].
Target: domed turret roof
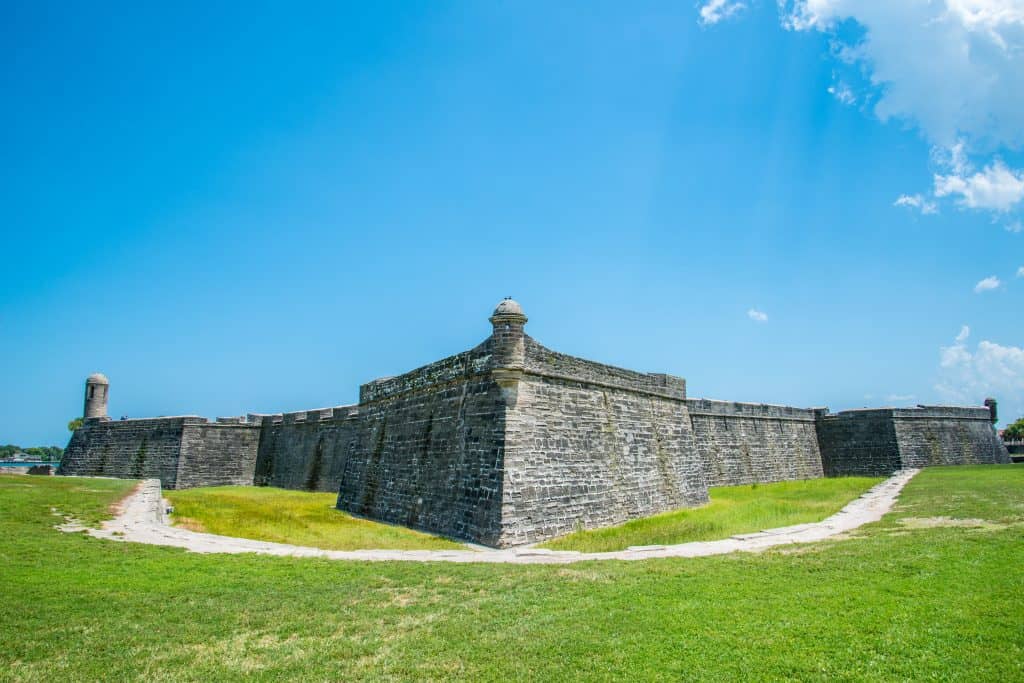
[97, 378]
[508, 306]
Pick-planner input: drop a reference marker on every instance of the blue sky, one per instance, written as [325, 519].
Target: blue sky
[232, 210]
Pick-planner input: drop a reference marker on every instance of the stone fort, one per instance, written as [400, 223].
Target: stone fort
[512, 443]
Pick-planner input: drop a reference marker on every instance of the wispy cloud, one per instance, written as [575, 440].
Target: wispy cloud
[987, 285]
[996, 188]
[757, 316]
[967, 376]
[918, 202]
[899, 398]
[1015, 226]
[1020, 272]
[843, 93]
[954, 69]
[714, 11]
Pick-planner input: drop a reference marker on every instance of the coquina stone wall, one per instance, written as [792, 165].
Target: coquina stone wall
[746, 443]
[580, 455]
[858, 443]
[221, 453]
[947, 435]
[182, 452]
[880, 441]
[308, 450]
[429, 451]
[129, 449]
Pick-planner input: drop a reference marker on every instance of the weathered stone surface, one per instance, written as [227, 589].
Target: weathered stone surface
[217, 454]
[746, 443]
[181, 452]
[307, 454]
[428, 450]
[881, 441]
[579, 455]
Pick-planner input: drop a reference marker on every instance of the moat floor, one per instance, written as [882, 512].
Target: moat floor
[932, 591]
[142, 519]
[307, 518]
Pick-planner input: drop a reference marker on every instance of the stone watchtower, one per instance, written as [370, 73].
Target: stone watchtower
[993, 409]
[97, 391]
[508, 344]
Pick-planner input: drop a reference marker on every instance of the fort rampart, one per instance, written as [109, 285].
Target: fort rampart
[182, 452]
[881, 440]
[512, 443]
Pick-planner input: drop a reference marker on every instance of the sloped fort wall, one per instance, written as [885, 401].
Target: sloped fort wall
[746, 443]
[880, 441]
[512, 443]
[429, 450]
[182, 452]
[589, 445]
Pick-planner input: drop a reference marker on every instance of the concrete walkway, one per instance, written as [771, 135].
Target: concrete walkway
[142, 520]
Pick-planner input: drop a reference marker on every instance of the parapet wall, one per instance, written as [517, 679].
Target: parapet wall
[539, 360]
[182, 452]
[879, 442]
[746, 443]
[308, 450]
[451, 369]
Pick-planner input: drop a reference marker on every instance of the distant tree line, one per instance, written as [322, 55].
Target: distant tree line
[47, 453]
[1015, 432]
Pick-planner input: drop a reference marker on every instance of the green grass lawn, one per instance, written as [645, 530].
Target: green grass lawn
[922, 595]
[732, 510]
[296, 517]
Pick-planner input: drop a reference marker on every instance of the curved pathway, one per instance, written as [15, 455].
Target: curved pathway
[142, 519]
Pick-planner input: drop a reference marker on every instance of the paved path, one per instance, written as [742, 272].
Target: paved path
[142, 520]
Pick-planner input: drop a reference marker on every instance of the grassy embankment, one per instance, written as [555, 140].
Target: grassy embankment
[302, 518]
[296, 517]
[935, 591]
[732, 510]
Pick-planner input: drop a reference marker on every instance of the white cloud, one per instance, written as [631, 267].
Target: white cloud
[955, 68]
[990, 370]
[951, 356]
[1020, 272]
[916, 201]
[952, 68]
[843, 93]
[757, 316]
[1016, 226]
[988, 284]
[963, 334]
[899, 398]
[997, 187]
[714, 11]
